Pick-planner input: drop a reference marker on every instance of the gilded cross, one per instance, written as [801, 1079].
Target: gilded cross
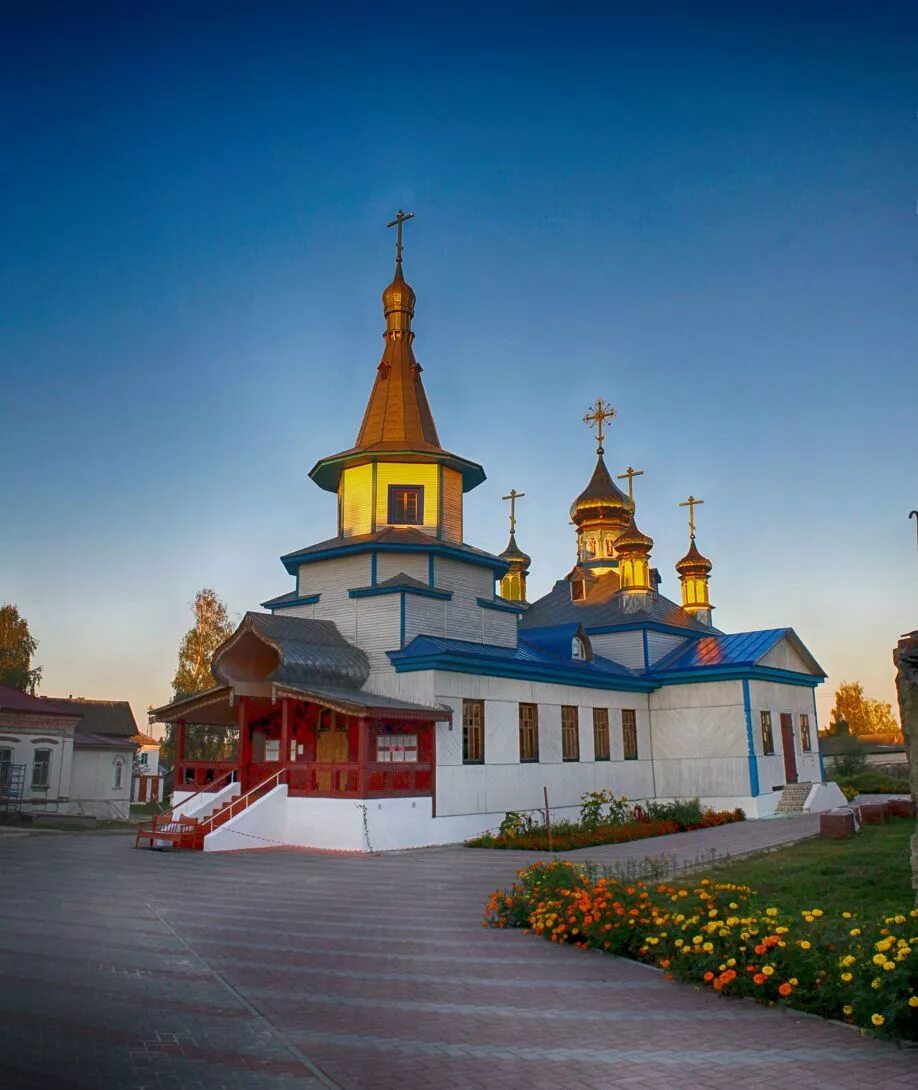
[600, 412]
[400, 218]
[691, 503]
[630, 473]
[513, 497]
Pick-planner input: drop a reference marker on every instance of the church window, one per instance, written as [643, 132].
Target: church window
[473, 732]
[806, 741]
[41, 768]
[629, 734]
[578, 649]
[578, 590]
[601, 734]
[406, 505]
[768, 738]
[529, 733]
[570, 734]
[118, 778]
[6, 760]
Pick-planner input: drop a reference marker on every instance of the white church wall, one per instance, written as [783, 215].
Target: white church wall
[783, 657]
[777, 698]
[378, 627]
[424, 616]
[329, 577]
[417, 565]
[468, 583]
[297, 611]
[662, 643]
[626, 648]
[700, 746]
[499, 627]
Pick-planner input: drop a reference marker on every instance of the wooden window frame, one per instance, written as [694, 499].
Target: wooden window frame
[570, 732]
[529, 734]
[768, 734]
[394, 489]
[806, 739]
[629, 734]
[602, 743]
[473, 732]
[46, 764]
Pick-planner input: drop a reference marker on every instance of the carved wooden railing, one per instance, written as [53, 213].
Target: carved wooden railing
[201, 775]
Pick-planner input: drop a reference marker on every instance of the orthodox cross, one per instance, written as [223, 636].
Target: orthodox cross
[400, 218]
[513, 497]
[691, 503]
[599, 413]
[630, 473]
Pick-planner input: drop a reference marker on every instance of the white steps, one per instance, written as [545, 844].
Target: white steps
[793, 798]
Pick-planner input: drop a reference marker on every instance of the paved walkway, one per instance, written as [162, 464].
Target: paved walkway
[126, 970]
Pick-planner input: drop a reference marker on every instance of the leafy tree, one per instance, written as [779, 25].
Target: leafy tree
[863, 715]
[17, 646]
[212, 625]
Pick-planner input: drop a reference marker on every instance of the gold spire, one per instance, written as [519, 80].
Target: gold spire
[630, 473]
[513, 583]
[598, 413]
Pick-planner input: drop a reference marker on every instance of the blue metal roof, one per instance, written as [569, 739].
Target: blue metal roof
[738, 649]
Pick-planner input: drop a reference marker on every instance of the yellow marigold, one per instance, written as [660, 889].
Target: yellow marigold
[913, 1000]
[768, 969]
[847, 961]
[847, 1009]
[708, 947]
[846, 915]
[854, 932]
[817, 912]
[771, 912]
[889, 966]
[804, 945]
[875, 983]
[877, 1019]
[879, 959]
[731, 962]
[846, 977]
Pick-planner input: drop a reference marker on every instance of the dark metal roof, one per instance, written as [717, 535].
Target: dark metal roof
[100, 716]
[87, 740]
[603, 607]
[392, 536]
[309, 651]
[281, 599]
[361, 702]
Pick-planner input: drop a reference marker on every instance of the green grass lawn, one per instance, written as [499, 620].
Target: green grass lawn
[870, 875]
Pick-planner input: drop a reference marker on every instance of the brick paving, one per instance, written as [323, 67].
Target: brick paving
[128, 970]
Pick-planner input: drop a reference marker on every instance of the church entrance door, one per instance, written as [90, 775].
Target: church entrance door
[787, 744]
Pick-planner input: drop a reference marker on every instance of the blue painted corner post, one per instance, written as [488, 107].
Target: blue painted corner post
[750, 741]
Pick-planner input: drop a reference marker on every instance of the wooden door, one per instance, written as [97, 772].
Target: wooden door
[332, 748]
[787, 744]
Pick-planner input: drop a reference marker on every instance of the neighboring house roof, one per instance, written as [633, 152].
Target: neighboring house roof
[16, 702]
[395, 539]
[739, 650]
[527, 660]
[87, 740]
[840, 745]
[603, 608]
[113, 717]
[144, 740]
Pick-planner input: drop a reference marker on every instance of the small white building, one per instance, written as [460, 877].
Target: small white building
[404, 692]
[69, 757]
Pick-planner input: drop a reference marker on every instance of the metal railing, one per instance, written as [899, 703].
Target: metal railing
[229, 809]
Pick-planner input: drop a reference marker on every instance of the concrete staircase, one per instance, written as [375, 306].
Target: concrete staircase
[793, 798]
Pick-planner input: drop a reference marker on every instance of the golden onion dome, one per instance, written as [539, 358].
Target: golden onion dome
[514, 555]
[693, 563]
[633, 540]
[399, 295]
[601, 498]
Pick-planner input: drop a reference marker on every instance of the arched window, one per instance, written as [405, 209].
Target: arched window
[118, 777]
[578, 649]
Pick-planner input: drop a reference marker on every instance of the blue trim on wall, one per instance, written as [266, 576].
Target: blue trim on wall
[400, 588]
[822, 764]
[373, 567]
[401, 639]
[304, 600]
[292, 561]
[521, 671]
[430, 570]
[646, 650]
[501, 607]
[750, 741]
[734, 673]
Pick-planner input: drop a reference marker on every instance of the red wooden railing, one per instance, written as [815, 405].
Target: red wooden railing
[344, 780]
[201, 775]
[178, 829]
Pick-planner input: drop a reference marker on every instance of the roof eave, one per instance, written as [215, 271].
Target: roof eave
[327, 471]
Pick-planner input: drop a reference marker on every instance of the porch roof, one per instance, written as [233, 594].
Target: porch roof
[215, 706]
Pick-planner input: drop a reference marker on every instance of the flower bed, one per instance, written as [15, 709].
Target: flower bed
[721, 936]
[603, 820]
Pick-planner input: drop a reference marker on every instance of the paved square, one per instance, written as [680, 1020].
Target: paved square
[127, 970]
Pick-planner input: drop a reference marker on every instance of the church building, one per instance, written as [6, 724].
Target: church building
[405, 692]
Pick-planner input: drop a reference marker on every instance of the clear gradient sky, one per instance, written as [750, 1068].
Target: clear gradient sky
[705, 214]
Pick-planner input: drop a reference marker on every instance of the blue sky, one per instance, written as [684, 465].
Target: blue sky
[705, 214]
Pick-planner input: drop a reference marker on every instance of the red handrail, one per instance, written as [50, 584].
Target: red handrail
[241, 801]
[169, 814]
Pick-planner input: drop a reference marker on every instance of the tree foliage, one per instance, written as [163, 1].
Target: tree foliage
[863, 715]
[212, 625]
[17, 646]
